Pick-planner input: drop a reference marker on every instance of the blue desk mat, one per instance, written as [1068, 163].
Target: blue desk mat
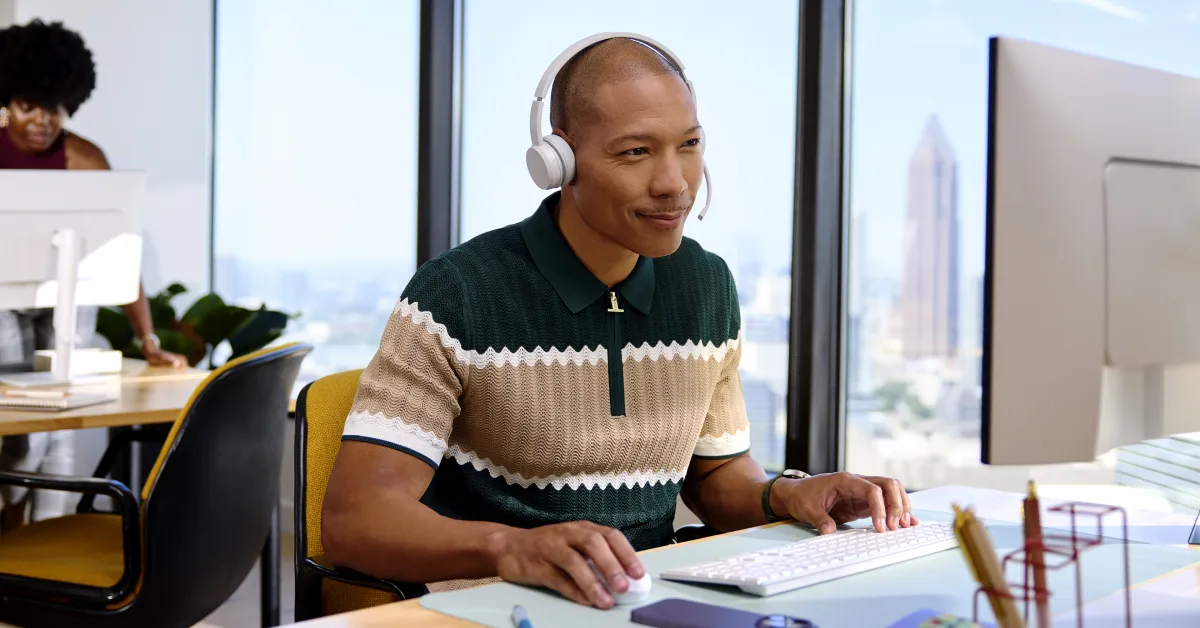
[879, 597]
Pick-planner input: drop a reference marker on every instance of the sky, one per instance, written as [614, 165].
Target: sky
[316, 132]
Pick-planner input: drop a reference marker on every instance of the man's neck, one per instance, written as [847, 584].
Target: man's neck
[610, 262]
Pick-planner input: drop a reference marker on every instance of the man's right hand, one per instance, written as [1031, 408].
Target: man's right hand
[555, 556]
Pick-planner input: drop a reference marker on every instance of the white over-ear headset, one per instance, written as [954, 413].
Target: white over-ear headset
[550, 160]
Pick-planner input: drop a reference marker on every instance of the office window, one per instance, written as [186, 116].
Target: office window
[918, 151]
[315, 167]
[742, 60]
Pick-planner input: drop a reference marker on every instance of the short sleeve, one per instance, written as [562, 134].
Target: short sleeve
[408, 396]
[726, 430]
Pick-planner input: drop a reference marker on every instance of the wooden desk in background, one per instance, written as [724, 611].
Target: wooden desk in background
[145, 395]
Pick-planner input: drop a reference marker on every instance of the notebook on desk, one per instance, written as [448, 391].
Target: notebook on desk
[49, 401]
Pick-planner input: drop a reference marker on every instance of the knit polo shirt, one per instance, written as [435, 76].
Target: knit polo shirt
[540, 395]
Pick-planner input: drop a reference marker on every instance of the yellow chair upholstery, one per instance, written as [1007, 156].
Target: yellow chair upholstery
[323, 409]
[81, 549]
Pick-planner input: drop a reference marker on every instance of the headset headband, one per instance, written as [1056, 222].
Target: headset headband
[543, 87]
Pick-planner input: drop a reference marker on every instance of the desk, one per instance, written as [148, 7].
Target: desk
[147, 394]
[1182, 583]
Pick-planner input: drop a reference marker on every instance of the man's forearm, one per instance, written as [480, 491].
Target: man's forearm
[395, 537]
[729, 497]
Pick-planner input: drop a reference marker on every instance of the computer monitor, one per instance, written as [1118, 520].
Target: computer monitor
[69, 228]
[1092, 271]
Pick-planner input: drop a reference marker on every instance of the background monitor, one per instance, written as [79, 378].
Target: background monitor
[1092, 269]
[102, 207]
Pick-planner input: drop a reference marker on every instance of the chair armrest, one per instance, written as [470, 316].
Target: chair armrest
[127, 507]
[404, 590]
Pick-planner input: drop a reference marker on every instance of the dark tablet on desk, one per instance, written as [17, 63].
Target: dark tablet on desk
[677, 613]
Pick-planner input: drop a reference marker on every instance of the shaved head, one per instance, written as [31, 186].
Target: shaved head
[572, 98]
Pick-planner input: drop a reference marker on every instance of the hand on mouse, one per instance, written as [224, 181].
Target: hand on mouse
[556, 556]
[831, 499]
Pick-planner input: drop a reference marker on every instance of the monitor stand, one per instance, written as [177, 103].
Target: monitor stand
[66, 245]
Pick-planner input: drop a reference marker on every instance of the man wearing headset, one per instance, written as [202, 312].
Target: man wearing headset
[499, 433]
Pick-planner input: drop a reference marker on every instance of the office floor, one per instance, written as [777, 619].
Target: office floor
[242, 610]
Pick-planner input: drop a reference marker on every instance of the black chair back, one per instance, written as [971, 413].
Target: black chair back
[208, 510]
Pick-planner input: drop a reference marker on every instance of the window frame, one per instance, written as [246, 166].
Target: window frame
[815, 440]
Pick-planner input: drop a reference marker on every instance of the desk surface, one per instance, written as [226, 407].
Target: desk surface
[1182, 583]
[145, 394]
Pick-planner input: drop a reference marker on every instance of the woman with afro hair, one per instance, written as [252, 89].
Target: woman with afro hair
[46, 74]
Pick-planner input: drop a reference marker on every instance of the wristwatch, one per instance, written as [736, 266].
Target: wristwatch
[148, 339]
[791, 474]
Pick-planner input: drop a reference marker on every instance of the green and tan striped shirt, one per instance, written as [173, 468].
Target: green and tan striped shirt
[541, 396]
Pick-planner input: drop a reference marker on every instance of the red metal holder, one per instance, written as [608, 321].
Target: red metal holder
[1058, 551]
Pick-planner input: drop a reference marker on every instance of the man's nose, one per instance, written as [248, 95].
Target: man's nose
[668, 181]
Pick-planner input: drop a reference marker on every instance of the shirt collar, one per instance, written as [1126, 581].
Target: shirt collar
[575, 284]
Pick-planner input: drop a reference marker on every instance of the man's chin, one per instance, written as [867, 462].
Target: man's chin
[661, 245]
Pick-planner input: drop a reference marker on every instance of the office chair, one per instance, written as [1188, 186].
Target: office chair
[181, 552]
[322, 589]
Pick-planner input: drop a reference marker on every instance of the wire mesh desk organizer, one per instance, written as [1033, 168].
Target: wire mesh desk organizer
[1059, 550]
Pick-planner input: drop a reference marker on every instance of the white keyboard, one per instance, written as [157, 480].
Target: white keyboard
[819, 559]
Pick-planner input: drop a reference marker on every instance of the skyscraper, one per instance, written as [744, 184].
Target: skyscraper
[929, 291]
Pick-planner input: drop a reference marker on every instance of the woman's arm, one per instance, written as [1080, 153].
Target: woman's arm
[138, 313]
[82, 154]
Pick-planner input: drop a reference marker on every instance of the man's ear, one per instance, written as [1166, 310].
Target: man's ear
[563, 134]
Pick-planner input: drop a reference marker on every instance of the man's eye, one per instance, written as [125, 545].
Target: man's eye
[636, 151]
[693, 142]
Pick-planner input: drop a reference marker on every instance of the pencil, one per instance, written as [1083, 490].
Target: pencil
[1036, 556]
[985, 566]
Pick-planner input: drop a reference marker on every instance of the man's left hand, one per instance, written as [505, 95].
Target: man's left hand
[831, 499]
[155, 356]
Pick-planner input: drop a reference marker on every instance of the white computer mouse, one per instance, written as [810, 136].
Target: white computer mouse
[638, 590]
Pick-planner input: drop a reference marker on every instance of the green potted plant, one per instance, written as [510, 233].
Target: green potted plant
[202, 328]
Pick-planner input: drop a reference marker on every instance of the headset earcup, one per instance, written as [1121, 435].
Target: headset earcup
[566, 158]
[545, 167]
[551, 164]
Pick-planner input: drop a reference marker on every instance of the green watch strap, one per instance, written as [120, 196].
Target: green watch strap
[766, 501]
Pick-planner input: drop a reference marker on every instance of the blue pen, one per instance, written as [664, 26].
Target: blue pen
[520, 619]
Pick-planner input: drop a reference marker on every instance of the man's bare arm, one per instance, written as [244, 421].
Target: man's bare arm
[374, 522]
[726, 493]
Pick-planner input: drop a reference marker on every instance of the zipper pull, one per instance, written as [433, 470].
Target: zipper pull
[612, 296]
